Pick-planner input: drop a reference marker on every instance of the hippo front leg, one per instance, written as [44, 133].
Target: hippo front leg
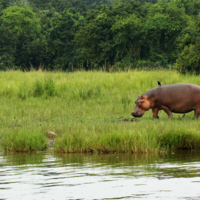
[155, 113]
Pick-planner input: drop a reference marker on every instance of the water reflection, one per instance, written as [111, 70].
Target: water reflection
[111, 176]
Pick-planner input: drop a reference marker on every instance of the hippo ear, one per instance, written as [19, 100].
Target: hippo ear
[144, 97]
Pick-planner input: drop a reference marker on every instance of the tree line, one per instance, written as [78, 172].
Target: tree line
[93, 34]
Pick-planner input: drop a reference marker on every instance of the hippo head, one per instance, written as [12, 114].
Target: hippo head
[142, 105]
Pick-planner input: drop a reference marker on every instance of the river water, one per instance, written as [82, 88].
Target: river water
[113, 176]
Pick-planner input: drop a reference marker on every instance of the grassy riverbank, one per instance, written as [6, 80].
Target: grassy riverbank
[89, 112]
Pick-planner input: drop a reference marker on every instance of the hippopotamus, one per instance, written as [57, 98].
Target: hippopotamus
[175, 98]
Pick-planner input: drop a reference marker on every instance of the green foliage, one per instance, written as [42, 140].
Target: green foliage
[7, 47]
[90, 34]
[60, 5]
[128, 38]
[4, 4]
[25, 27]
[188, 60]
[61, 40]
[191, 7]
[128, 32]
[103, 38]
[24, 141]
[93, 3]
[21, 20]
[163, 26]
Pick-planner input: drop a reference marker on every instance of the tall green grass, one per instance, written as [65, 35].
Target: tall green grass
[86, 111]
[24, 141]
[134, 138]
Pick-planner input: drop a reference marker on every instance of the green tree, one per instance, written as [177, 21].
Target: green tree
[192, 7]
[61, 44]
[163, 25]
[104, 33]
[7, 47]
[92, 4]
[61, 5]
[188, 60]
[5, 3]
[25, 26]
[128, 39]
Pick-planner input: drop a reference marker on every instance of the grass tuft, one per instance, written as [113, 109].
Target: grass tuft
[49, 87]
[24, 141]
[38, 89]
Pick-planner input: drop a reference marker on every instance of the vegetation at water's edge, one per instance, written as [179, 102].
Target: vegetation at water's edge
[24, 141]
[94, 34]
[89, 112]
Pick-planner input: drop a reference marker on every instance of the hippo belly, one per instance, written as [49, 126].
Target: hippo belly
[183, 107]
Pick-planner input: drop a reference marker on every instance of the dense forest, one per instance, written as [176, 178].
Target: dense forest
[93, 34]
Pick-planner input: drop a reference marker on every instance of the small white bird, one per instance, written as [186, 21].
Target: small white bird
[51, 133]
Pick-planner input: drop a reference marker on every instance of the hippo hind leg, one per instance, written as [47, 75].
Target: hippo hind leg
[168, 111]
[196, 113]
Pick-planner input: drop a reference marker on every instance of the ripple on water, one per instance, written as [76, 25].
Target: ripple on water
[82, 176]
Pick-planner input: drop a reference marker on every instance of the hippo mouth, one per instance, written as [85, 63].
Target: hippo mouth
[137, 114]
